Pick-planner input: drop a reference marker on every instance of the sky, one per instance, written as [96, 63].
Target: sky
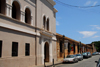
[80, 24]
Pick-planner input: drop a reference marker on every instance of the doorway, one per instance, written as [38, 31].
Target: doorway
[46, 52]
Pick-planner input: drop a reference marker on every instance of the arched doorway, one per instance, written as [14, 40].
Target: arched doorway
[46, 52]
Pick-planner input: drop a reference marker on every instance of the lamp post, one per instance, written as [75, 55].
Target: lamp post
[63, 45]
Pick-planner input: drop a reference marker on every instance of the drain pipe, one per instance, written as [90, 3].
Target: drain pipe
[36, 32]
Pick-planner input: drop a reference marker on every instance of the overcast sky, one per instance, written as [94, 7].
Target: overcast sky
[81, 24]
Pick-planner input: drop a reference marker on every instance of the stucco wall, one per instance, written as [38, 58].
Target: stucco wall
[13, 30]
[45, 8]
[23, 5]
[8, 36]
[54, 51]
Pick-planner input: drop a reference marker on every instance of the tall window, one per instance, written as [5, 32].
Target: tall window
[69, 47]
[74, 47]
[14, 49]
[0, 48]
[78, 48]
[16, 10]
[48, 24]
[44, 20]
[3, 6]
[61, 46]
[27, 16]
[27, 49]
[0, 6]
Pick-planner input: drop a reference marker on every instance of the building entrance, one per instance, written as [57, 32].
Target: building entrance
[46, 52]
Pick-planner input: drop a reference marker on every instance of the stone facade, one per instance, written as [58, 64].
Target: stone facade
[27, 28]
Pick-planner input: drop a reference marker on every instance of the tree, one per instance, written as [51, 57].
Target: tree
[97, 45]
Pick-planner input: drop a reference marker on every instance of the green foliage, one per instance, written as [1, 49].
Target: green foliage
[97, 45]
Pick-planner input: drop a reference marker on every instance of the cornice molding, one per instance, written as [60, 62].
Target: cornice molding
[46, 33]
[51, 2]
[55, 10]
[16, 28]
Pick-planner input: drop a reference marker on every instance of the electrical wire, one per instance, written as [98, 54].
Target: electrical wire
[76, 6]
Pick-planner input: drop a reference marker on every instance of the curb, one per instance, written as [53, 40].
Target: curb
[54, 64]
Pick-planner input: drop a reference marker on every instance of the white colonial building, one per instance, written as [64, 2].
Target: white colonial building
[27, 32]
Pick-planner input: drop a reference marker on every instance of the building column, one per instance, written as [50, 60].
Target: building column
[50, 51]
[42, 50]
[32, 20]
[85, 49]
[9, 10]
[46, 25]
[76, 49]
[23, 16]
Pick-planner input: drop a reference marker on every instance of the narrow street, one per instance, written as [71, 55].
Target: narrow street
[90, 62]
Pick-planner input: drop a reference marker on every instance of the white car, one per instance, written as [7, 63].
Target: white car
[99, 53]
[79, 56]
[70, 58]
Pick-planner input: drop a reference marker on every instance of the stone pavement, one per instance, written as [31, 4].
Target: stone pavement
[49, 64]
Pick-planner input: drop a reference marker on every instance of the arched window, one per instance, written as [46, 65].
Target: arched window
[44, 20]
[16, 10]
[48, 24]
[3, 6]
[27, 16]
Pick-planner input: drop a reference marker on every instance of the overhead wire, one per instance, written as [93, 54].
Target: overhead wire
[75, 6]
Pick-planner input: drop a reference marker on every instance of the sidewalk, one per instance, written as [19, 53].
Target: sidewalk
[49, 64]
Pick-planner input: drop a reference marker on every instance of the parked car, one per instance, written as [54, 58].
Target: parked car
[95, 53]
[86, 54]
[98, 63]
[99, 53]
[70, 58]
[89, 54]
[79, 56]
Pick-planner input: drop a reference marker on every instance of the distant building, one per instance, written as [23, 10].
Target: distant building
[27, 32]
[67, 46]
[93, 47]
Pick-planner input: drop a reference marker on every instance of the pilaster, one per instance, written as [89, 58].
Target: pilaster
[32, 20]
[9, 10]
[23, 16]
